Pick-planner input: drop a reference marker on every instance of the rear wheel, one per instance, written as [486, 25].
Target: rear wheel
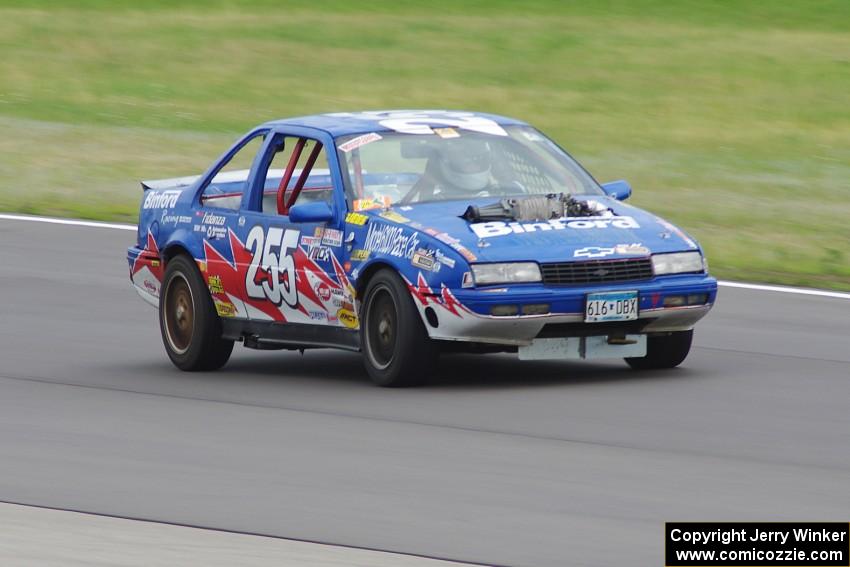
[396, 348]
[664, 351]
[191, 329]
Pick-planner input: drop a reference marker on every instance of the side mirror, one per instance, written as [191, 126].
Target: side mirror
[620, 189]
[317, 211]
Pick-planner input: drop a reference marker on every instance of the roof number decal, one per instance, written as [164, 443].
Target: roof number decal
[420, 122]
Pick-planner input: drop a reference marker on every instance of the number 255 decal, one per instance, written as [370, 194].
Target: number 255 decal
[271, 274]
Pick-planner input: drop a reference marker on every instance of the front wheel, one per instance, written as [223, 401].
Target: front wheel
[396, 348]
[664, 351]
[191, 329]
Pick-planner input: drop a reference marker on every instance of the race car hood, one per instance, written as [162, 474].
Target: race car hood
[618, 230]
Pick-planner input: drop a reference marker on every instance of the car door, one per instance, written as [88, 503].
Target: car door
[293, 235]
[217, 221]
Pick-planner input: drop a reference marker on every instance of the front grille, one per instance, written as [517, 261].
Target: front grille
[596, 271]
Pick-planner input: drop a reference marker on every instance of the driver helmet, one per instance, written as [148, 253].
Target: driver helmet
[465, 163]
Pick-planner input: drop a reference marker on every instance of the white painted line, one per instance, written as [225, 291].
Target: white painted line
[786, 289]
[72, 222]
[741, 285]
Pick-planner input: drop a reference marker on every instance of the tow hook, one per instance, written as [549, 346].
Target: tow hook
[620, 340]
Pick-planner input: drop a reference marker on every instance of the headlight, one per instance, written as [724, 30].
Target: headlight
[514, 272]
[677, 263]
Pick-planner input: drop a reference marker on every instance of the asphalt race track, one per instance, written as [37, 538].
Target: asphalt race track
[495, 461]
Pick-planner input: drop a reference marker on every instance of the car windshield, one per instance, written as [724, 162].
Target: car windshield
[385, 168]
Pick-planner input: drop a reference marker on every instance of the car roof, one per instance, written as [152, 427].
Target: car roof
[347, 123]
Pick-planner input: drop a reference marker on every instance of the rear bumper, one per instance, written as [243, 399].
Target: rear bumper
[145, 273]
[464, 315]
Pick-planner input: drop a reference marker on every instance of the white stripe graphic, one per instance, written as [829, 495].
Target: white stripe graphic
[723, 283]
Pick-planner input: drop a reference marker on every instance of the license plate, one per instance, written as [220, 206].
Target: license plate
[611, 306]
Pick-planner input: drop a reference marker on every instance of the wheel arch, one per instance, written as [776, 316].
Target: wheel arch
[369, 272]
[180, 242]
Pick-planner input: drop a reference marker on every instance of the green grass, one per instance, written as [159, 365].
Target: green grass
[731, 118]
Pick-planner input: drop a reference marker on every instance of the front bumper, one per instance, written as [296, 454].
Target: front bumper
[464, 314]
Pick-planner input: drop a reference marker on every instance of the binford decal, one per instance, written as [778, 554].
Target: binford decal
[499, 228]
[161, 199]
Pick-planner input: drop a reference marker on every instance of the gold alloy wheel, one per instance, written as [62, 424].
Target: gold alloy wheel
[381, 328]
[179, 314]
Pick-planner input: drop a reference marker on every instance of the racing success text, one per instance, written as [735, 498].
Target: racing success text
[762, 544]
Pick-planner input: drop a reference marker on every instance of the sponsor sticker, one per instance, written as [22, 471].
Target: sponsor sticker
[348, 318]
[446, 132]
[310, 241]
[320, 253]
[332, 237]
[442, 236]
[394, 216]
[323, 291]
[423, 259]
[443, 259]
[168, 218]
[215, 285]
[318, 315]
[224, 309]
[464, 251]
[356, 219]
[372, 203]
[359, 141]
[213, 219]
[359, 255]
[211, 231]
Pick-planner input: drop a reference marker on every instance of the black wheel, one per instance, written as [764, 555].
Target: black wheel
[191, 329]
[396, 348]
[664, 351]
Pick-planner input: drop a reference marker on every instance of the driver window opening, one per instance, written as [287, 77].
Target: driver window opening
[298, 173]
[225, 189]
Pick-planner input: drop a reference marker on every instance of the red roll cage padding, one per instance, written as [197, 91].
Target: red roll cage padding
[358, 173]
[287, 175]
[302, 179]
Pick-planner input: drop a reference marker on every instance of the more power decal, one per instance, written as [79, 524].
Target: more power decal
[385, 239]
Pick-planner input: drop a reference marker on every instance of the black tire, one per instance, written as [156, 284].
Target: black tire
[396, 349]
[664, 351]
[190, 327]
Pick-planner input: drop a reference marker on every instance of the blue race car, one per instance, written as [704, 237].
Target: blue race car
[402, 234]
